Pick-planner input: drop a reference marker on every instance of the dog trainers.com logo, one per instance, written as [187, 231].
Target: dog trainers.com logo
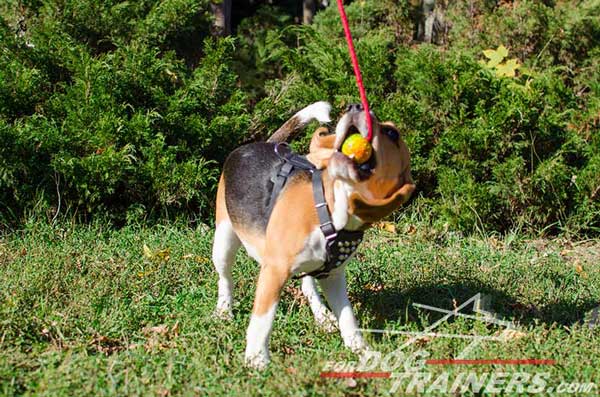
[414, 374]
[418, 372]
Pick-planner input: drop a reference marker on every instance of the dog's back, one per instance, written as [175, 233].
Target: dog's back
[249, 172]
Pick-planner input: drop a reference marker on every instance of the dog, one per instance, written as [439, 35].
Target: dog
[289, 233]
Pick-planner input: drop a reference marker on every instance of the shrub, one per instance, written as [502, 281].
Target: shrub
[130, 130]
[488, 152]
[118, 108]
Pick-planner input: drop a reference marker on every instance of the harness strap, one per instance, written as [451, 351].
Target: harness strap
[339, 245]
[326, 223]
[282, 175]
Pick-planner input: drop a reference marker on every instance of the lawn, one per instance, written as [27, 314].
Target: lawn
[88, 310]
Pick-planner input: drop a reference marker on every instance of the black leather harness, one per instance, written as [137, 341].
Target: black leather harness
[340, 245]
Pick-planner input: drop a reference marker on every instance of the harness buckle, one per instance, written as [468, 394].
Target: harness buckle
[329, 231]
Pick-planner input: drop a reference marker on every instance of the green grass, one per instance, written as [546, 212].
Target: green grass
[78, 306]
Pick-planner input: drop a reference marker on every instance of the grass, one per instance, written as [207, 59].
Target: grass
[84, 311]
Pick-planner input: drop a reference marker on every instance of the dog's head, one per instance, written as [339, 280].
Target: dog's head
[380, 185]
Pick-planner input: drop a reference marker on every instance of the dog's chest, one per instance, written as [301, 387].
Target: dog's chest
[313, 254]
[319, 258]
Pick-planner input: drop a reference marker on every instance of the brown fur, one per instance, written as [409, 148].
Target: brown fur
[221, 207]
[291, 223]
[321, 147]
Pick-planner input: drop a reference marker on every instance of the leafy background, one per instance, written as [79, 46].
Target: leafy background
[126, 110]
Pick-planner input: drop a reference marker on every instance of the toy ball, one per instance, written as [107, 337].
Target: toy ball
[357, 148]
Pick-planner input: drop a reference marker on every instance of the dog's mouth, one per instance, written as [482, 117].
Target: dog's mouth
[348, 125]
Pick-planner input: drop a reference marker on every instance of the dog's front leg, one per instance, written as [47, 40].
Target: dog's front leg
[334, 289]
[270, 281]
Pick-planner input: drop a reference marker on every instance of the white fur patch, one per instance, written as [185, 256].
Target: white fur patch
[334, 289]
[257, 339]
[348, 119]
[312, 255]
[340, 216]
[318, 111]
[225, 246]
[341, 128]
[252, 251]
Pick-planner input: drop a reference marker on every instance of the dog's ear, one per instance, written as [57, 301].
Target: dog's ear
[321, 147]
[373, 210]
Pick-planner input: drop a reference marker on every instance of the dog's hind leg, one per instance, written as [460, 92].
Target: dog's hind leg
[336, 293]
[323, 316]
[225, 245]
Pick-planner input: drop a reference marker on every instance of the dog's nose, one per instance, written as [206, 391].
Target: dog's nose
[354, 107]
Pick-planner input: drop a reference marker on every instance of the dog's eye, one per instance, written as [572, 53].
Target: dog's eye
[391, 133]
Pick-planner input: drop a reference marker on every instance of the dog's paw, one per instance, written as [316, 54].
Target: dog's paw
[257, 360]
[356, 343]
[223, 313]
[326, 321]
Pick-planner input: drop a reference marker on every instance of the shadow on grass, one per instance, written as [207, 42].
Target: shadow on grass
[395, 305]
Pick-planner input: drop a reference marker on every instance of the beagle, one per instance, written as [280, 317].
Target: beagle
[287, 232]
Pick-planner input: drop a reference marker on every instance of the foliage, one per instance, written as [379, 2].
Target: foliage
[113, 121]
[118, 108]
[488, 153]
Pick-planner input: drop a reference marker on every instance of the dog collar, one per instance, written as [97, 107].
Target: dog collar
[340, 245]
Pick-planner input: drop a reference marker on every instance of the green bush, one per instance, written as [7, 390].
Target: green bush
[123, 130]
[128, 109]
[488, 153]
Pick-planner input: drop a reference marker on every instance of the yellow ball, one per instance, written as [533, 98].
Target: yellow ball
[357, 148]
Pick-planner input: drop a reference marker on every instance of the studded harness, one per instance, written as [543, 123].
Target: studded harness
[340, 244]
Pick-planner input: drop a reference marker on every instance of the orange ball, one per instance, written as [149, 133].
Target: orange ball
[357, 148]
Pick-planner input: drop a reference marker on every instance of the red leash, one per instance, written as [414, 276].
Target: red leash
[359, 82]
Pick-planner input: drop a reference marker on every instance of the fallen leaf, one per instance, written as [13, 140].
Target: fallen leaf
[175, 329]
[387, 226]
[164, 254]
[106, 345]
[288, 350]
[564, 252]
[148, 252]
[579, 269]
[374, 287]
[164, 392]
[159, 329]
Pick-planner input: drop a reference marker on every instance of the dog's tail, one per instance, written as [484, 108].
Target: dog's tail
[317, 111]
